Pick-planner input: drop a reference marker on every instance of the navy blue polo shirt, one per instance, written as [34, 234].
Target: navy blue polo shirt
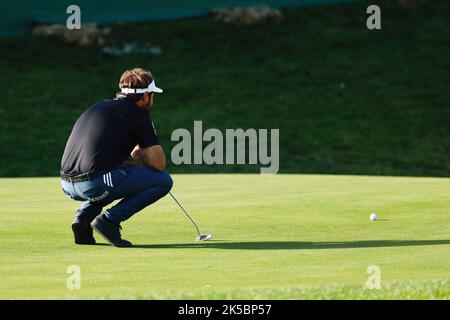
[104, 136]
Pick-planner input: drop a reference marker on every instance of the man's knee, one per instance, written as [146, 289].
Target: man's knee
[166, 181]
[160, 179]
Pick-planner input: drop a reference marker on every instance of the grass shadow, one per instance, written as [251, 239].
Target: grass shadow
[295, 245]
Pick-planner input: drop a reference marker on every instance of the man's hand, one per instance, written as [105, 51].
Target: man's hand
[152, 157]
[136, 153]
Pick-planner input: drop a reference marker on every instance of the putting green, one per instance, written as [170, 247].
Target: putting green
[282, 236]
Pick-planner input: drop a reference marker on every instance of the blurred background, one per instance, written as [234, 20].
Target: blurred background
[346, 99]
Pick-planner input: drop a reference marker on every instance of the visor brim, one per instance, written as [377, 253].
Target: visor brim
[157, 90]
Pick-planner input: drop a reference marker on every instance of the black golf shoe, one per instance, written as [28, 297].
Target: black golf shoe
[110, 231]
[82, 231]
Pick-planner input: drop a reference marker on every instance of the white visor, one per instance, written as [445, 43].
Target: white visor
[151, 88]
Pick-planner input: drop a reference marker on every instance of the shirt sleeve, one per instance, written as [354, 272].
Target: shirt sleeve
[144, 131]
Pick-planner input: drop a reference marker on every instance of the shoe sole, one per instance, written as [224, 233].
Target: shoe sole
[77, 228]
[106, 239]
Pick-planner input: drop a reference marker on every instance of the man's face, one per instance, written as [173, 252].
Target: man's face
[151, 98]
[148, 99]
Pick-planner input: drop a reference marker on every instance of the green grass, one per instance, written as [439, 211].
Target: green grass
[346, 100]
[276, 237]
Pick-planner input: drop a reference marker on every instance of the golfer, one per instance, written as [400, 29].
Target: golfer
[93, 168]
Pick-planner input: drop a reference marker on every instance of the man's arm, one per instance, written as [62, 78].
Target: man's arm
[152, 157]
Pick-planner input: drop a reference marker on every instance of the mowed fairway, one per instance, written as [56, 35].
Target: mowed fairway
[276, 237]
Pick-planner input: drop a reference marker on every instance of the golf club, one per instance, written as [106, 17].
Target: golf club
[201, 237]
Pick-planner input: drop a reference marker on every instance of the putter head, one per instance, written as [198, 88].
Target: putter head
[204, 237]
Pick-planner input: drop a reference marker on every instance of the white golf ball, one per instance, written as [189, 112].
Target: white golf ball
[373, 216]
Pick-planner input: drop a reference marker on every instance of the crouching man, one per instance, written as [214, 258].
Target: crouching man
[93, 169]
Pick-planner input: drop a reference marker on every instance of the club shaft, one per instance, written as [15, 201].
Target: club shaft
[187, 214]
